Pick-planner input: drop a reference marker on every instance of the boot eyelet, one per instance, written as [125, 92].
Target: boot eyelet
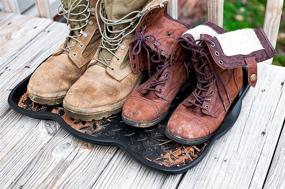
[169, 33]
[221, 62]
[217, 53]
[213, 44]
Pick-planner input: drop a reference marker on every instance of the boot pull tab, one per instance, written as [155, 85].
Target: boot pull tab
[251, 70]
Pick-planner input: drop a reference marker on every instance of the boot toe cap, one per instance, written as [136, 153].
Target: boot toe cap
[187, 128]
[140, 111]
[44, 90]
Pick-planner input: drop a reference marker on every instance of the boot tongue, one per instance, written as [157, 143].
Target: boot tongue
[116, 10]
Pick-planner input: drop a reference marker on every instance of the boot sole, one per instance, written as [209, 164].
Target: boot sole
[180, 140]
[143, 124]
[96, 115]
[46, 101]
[99, 115]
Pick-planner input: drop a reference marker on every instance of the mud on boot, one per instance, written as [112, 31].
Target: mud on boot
[54, 77]
[103, 88]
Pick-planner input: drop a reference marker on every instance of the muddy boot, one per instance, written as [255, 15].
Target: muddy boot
[51, 81]
[218, 62]
[155, 47]
[103, 88]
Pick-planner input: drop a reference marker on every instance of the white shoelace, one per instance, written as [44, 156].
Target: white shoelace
[73, 16]
[111, 43]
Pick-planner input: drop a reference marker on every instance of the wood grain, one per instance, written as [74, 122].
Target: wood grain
[272, 19]
[123, 172]
[276, 175]
[16, 32]
[216, 11]
[173, 9]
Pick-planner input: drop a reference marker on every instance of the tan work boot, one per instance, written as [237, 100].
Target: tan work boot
[103, 88]
[51, 81]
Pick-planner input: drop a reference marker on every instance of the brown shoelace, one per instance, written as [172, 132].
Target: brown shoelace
[204, 71]
[159, 79]
[140, 44]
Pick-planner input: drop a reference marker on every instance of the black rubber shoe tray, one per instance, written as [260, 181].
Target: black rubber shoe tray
[150, 147]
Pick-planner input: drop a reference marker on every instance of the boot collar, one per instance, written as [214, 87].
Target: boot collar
[241, 48]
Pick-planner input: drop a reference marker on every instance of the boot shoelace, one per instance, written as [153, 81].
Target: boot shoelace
[205, 74]
[112, 38]
[73, 16]
[158, 80]
[140, 44]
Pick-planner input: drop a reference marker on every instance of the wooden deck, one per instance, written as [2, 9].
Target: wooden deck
[39, 154]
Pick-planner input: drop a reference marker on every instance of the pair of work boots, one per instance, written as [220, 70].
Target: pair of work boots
[216, 59]
[90, 73]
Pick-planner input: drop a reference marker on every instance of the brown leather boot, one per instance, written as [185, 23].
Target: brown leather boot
[51, 81]
[218, 62]
[156, 46]
[103, 88]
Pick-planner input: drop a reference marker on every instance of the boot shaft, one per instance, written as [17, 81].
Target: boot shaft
[219, 65]
[117, 9]
[155, 40]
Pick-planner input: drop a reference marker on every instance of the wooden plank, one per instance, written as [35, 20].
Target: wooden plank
[31, 12]
[173, 9]
[276, 175]
[4, 16]
[216, 11]
[272, 19]
[17, 6]
[47, 8]
[123, 172]
[64, 162]
[28, 59]
[242, 158]
[17, 32]
[29, 135]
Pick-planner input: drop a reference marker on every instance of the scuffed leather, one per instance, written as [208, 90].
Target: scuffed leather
[54, 77]
[101, 87]
[57, 74]
[97, 89]
[145, 106]
[164, 29]
[190, 122]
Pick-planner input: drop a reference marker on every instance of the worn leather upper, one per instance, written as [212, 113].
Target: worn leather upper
[220, 79]
[51, 81]
[158, 34]
[109, 79]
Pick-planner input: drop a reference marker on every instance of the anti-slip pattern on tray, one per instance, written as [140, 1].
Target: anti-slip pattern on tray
[148, 146]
